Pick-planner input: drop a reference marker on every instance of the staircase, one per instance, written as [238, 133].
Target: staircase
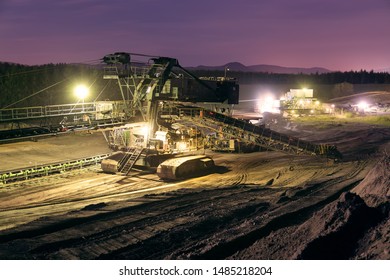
[130, 159]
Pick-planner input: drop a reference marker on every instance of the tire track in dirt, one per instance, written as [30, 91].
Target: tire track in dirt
[162, 246]
[216, 247]
[178, 210]
[180, 216]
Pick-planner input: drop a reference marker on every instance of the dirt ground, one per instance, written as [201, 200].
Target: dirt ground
[263, 205]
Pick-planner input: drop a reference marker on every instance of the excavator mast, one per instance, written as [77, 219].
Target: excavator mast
[146, 85]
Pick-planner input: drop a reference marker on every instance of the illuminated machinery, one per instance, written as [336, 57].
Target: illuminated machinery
[171, 114]
[153, 87]
[299, 101]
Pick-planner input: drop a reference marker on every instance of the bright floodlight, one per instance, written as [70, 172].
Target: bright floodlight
[145, 130]
[363, 105]
[81, 91]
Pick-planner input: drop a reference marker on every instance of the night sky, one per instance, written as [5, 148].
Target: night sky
[335, 34]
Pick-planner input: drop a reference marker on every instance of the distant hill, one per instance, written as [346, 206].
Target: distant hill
[237, 66]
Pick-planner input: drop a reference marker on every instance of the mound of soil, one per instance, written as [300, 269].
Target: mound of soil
[375, 244]
[375, 188]
[336, 229]
[355, 226]
[331, 233]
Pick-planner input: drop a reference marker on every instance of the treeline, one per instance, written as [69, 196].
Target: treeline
[49, 84]
[25, 86]
[353, 77]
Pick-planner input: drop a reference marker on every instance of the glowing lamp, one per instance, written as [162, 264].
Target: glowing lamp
[81, 91]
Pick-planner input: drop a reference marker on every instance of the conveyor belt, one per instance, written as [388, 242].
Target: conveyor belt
[47, 169]
[257, 135]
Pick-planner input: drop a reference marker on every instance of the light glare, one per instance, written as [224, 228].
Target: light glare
[81, 91]
[363, 105]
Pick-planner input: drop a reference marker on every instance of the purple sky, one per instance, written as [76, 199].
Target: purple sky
[335, 34]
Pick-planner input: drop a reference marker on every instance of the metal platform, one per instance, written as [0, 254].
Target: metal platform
[98, 110]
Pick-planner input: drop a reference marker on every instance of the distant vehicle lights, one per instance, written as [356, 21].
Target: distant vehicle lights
[362, 106]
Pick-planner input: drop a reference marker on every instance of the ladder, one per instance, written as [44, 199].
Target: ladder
[129, 160]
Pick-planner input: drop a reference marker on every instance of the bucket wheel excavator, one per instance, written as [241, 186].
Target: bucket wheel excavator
[172, 114]
[153, 88]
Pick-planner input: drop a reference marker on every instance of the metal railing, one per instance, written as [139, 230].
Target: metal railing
[16, 114]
